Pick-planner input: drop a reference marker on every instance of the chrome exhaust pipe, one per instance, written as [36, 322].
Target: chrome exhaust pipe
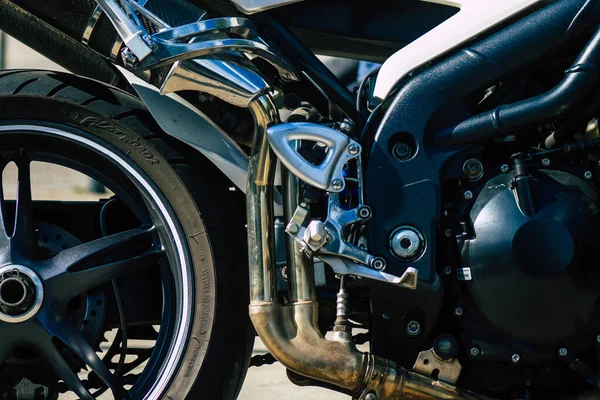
[290, 332]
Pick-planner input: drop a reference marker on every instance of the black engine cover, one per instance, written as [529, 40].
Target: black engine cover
[534, 273]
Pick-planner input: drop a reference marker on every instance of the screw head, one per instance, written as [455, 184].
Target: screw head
[468, 195]
[504, 168]
[474, 351]
[459, 311]
[337, 184]
[562, 352]
[293, 228]
[284, 272]
[365, 212]
[378, 263]
[370, 396]
[402, 151]
[447, 270]
[598, 338]
[413, 328]
[473, 169]
[448, 232]
[515, 358]
[546, 162]
[445, 345]
[587, 175]
[354, 149]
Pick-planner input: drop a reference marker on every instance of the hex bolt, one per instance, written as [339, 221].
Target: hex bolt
[293, 228]
[365, 212]
[473, 169]
[448, 232]
[337, 184]
[562, 352]
[504, 168]
[371, 396]
[546, 162]
[468, 195]
[474, 352]
[402, 151]
[587, 175]
[378, 263]
[354, 149]
[515, 358]
[459, 311]
[445, 345]
[413, 328]
[447, 270]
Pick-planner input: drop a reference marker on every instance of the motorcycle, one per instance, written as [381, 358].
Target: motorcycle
[446, 211]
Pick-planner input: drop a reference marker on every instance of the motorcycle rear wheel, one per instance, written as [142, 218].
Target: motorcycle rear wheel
[205, 339]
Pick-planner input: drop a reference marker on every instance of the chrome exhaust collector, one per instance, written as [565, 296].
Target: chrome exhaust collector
[290, 332]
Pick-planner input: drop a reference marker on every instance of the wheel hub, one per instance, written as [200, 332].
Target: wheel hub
[21, 293]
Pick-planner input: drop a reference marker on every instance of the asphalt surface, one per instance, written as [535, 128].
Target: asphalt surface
[51, 182]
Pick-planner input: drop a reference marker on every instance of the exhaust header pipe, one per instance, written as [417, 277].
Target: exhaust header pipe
[290, 332]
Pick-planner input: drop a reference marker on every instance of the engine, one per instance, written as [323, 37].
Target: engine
[522, 270]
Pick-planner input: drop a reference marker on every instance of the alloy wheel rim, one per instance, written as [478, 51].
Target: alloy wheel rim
[37, 321]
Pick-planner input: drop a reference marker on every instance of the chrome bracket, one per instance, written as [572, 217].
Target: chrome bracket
[329, 174]
[343, 257]
[199, 39]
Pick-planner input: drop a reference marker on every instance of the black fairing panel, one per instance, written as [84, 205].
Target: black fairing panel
[371, 30]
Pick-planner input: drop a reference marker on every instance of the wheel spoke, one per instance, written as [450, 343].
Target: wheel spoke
[24, 232]
[4, 238]
[84, 267]
[47, 349]
[73, 339]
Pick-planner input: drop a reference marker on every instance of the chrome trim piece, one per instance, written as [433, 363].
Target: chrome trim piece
[145, 51]
[128, 26]
[39, 294]
[172, 365]
[87, 33]
[329, 174]
[226, 80]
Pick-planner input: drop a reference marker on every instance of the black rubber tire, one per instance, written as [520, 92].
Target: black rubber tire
[215, 362]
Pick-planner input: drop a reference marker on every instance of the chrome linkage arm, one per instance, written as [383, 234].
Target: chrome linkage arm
[204, 38]
[326, 240]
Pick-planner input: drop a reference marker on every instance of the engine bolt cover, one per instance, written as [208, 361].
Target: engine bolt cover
[406, 243]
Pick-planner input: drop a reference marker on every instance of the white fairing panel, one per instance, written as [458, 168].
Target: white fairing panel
[474, 17]
[254, 6]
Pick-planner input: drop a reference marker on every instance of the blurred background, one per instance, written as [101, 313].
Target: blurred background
[54, 182]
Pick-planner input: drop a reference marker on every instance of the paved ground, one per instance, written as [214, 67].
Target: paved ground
[54, 183]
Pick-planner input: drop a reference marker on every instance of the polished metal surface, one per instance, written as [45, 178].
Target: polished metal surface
[329, 174]
[255, 6]
[39, 294]
[407, 243]
[226, 80]
[128, 26]
[87, 33]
